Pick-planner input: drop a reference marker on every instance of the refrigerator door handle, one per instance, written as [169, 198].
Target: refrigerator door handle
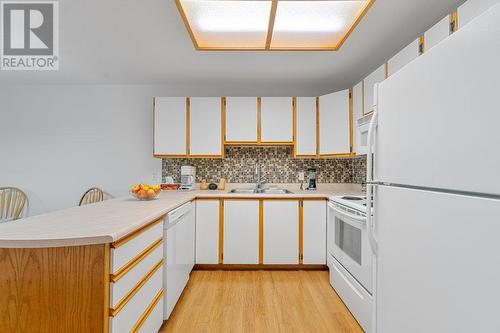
[369, 172]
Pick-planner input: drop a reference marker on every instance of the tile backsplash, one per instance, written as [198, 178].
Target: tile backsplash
[276, 163]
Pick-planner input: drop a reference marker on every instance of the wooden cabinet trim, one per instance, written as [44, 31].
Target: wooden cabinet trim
[261, 232]
[221, 231]
[114, 311]
[116, 244]
[301, 232]
[351, 117]
[136, 260]
[259, 120]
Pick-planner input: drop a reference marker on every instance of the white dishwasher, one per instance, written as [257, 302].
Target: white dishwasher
[179, 237]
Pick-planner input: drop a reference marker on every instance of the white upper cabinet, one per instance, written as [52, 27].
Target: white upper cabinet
[281, 232]
[276, 119]
[170, 126]
[403, 57]
[357, 110]
[241, 119]
[241, 232]
[471, 9]
[314, 231]
[205, 126]
[437, 33]
[368, 83]
[306, 126]
[334, 124]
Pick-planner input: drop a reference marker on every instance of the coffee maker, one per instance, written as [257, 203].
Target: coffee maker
[188, 177]
[311, 176]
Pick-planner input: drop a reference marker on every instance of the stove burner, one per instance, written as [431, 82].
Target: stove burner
[351, 198]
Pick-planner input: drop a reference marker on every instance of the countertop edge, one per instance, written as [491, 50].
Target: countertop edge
[122, 232]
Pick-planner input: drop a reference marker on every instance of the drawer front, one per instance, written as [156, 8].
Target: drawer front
[154, 320]
[124, 253]
[131, 313]
[128, 281]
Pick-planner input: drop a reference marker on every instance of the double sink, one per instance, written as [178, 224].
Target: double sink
[268, 190]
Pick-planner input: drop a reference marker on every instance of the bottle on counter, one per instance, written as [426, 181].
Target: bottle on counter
[222, 184]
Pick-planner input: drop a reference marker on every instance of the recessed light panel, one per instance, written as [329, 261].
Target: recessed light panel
[271, 24]
[313, 24]
[226, 24]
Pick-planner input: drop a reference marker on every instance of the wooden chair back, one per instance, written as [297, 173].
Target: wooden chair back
[92, 195]
[12, 202]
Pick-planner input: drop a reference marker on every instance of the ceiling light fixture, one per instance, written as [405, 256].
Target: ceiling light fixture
[271, 25]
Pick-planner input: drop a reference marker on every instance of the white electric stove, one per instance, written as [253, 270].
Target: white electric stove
[349, 255]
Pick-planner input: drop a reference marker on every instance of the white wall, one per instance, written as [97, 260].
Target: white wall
[58, 141]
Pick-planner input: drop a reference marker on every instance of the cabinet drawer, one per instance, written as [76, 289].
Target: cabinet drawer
[154, 319]
[124, 318]
[121, 285]
[125, 250]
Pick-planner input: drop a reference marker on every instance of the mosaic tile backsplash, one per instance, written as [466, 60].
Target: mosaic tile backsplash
[276, 163]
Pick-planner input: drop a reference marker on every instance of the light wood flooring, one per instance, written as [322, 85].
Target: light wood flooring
[260, 301]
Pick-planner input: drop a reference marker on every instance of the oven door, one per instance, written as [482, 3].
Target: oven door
[349, 243]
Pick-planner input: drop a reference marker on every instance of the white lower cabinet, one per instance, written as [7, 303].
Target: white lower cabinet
[281, 232]
[314, 232]
[241, 232]
[207, 231]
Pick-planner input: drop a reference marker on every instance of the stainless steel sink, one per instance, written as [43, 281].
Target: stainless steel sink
[243, 190]
[269, 190]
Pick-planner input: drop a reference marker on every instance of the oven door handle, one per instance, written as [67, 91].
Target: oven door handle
[361, 219]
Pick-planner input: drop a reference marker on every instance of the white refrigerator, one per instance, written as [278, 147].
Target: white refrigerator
[434, 172]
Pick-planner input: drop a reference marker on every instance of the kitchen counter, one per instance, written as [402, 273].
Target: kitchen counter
[110, 220]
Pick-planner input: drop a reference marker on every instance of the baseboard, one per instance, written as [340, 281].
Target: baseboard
[261, 267]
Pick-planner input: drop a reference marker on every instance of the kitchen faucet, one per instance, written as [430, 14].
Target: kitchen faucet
[259, 180]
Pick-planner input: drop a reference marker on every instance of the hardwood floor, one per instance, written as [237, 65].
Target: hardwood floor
[260, 301]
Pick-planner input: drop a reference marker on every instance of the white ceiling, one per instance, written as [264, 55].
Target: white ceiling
[145, 42]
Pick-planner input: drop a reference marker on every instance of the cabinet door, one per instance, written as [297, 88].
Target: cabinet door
[241, 119]
[437, 33]
[306, 126]
[276, 119]
[170, 126]
[281, 232]
[368, 83]
[357, 112]
[334, 123]
[205, 133]
[403, 57]
[314, 232]
[241, 232]
[207, 231]
[471, 9]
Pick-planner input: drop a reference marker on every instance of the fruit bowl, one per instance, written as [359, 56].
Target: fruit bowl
[145, 191]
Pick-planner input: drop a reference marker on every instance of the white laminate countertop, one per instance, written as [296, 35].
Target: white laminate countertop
[110, 220]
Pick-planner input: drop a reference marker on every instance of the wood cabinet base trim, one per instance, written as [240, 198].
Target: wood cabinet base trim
[259, 267]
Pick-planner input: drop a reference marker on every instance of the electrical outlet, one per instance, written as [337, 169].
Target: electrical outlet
[156, 177]
[301, 176]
